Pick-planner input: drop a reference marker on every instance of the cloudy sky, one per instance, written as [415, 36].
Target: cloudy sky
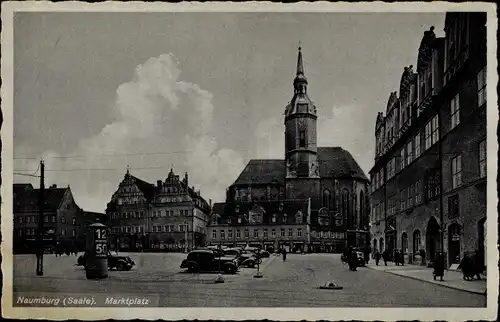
[204, 92]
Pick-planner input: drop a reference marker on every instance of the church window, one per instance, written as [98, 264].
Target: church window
[326, 198]
[302, 138]
[298, 217]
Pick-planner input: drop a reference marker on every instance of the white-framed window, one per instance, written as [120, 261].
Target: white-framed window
[222, 234]
[409, 152]
[416, 146]
[418, 192]
[481, 87]
[391, 168]
[432, 132]
[273, 233]
[290, 232]
[482, 159]
[282, 232]
[73, 233]
[238, 233]
[214, 234]
[402, 159]
[410, 196]
[230, 234]
[181, 228]
[274, 219]
[403, 197]
[239, 220]
[299, 232]
[456, 171]
[455, 111]
[247, 233]
[265, 233]
[255, 233]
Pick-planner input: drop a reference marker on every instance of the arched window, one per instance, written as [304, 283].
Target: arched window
[326, 198]
[416, 242]
[298, 217]
[404, 243]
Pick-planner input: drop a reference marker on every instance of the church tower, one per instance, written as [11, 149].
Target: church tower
[300, 138]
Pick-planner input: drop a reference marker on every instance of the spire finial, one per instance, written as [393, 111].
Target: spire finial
[300, 65]
[128, 169]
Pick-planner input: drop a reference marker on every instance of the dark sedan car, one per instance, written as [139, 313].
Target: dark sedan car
[209, 261]
[120, 263]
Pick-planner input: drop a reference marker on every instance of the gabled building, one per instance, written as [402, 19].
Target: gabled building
[429, 176]
[63, 219]
[168, 216]
[315, 199]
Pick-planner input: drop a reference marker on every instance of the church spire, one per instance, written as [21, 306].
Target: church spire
[300, 81]
[300, 65]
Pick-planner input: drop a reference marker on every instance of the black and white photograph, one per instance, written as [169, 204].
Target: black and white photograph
[249, 161]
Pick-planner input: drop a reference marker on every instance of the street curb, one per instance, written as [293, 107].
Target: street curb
[430, 282]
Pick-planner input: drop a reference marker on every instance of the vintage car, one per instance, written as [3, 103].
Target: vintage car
[209, 261]
[244, 258]
[120, 263]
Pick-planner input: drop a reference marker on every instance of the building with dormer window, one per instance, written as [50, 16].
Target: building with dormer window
[315, 199]
[168, 216]
[429, 177]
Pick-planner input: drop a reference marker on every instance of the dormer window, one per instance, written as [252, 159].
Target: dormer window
[229, 220]
[285, 218]
[274, 219]
[239, 220]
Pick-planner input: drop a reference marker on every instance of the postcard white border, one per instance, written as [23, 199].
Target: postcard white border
[388, 314]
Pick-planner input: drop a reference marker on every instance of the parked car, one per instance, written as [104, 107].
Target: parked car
[209, 261]
[244, 258]
[120, 263]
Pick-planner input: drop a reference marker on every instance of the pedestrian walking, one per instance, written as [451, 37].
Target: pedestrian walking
[438, 266]
[284, 254]
[377, 257]
[367, 255]
[385, 256]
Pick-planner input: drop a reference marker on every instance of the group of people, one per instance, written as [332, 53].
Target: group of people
[472, 266]
[384, 256]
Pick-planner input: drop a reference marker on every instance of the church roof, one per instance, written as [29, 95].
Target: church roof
[333, 162]
[262, 172]
[337, 162]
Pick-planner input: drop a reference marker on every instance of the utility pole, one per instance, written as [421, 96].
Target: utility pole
[41, 248]
[441, 186]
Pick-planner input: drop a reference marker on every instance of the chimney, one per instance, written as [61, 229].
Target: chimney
[159, 183]
[186, 179]
[210, 203]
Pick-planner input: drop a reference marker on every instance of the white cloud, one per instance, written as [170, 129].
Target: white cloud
[155, 112]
